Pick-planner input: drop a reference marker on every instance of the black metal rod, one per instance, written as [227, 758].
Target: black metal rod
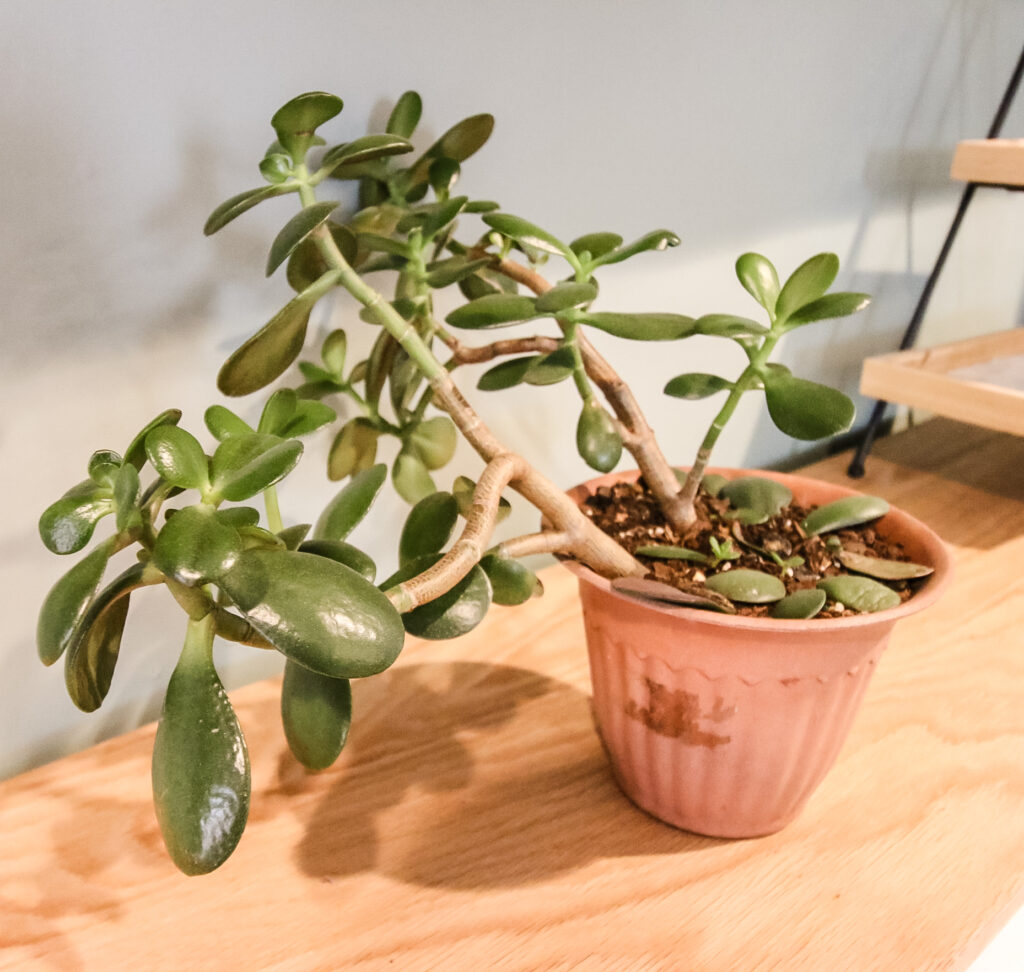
[856, 467]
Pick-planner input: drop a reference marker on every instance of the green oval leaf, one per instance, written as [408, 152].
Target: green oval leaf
[597, 439]
[667, 551]
[641, 327]
[800, 605]
[68, 525]
[462, 140]
[344, 513]
[506, 374]
[747, 586]
[511, 582]
[696, 385]
[342, 553]
[363, 150]
[454, 613]
[223, 423]
[126, 495]
[245, 465]
[494, 310]
[136, 451]
[463, 489]
[728, 325]
[410, 477]
[596, 244]
[67, 601]
[804, 409]
[405, 116]
[565, 295]
[883, 568]
[196, 546]
[647, 589]
[316, 712]
[293, 535]
[307, 265]
[759, 279]
[277, 411]
[442, 175]
[428, 527]
[201, 781]
[297, 229]
[828, 307]
[103, 467]
[315, 611]
[523, 231]
[243, 202]
[842, 513]
[443, 273]
[238, 516]
[860, 593]
[807, 282]
[551, 368]
[656, 240]
[434, 441]
[354, 448]
[297, 121]
[178, 457]
[755, 498]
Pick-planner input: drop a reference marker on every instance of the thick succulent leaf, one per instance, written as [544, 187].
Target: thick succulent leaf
[178, 457]
[597, 439]
[641, 327]
[277, 411]
[410, 477]
[842, 513]
[103, 467]
[800, 605]
[511, 582]
[759, 279]
[806, 283]
[828, 307]
[126, 495]
[860, 593]
[353, 450]
[428, 527]
[564, 295]
[747, 586]
[316, 611]
[551, 368]
[439, 215]
[68, 525]
[243, 202]
[342, 553]
[293, 536]
[196, 546]
[309, 416]
[276, 167]
[136, 451]
[405, 116]
[307, 265]
[238, 516]
[804, 409]
[696, 385]
[443, 273]
[316, 712]
[245, 465]
[476, 286]
[463, 489]
[67, 601]
[728, 325]
[363, 150]
[442, 176]
[506, 374]
[454, 613]
[882, 568]
[344, 513]
[201, 780]
[667, 551]
[596, 244]
[461, 141]
[755, 498]
[223, 423]
[656, 240]
[494, 310]
[527, 233]
[647, 589]
[297, 229]
[297, 121]
[434, 441]
[95, 642]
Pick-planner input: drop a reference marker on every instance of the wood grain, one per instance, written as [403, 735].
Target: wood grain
[998, 161]
[472, 822]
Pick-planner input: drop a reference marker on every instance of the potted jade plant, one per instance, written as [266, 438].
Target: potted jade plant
[726, 613]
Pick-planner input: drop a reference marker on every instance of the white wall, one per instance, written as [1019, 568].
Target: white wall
[788, 127]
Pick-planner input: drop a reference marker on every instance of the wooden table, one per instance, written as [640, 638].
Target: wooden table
[472, 822]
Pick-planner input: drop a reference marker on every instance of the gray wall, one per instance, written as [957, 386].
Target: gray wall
[787, 128]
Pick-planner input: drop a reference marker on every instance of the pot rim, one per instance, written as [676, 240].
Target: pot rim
[935, 586]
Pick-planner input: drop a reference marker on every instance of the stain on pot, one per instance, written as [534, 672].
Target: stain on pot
[677, 714]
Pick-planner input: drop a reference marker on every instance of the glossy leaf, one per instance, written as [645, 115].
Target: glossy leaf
[67, 601]
[297, 229]
[95, 643]
[828, 307]
[511, 582]
[342, 553]
[807, 283]
[410, 476]
[354, 449]
[405, 116]
[136, 451]
[277, 411]
[494, 310]
[223, 423]
[434, 441]
[506, 374]
[103, 467]
[654, 241]
[564, 295]
[316, 611]
[696, 385]
[596, 244]
[860, 593]
[297, 121]
[126, 494]
[293, 536]
[454, 613]
[525, 232]
[276, 167]
[846, 512]
[243, 202]
[306, 264]
[363, 150]
[804, 409]
[178, 457]
[760, 279]
[747, 586]
[755, 498]
[201, 777]
[647, 589]
[245, 465]
[68, 525]
[800, 605]
[883, 568]
[238, 516]
[463, 489]
[195, 546]
[597, 439]
[667, 551]
[442, 176]
[641, 327]
[378, 366]
[428, 527]
[316, 712]
[443, 273]
[551, 368]
[308, 417]
[728, 325]
[462, 140]
[344, 513]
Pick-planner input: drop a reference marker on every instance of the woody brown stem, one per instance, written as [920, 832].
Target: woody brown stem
[545, 542]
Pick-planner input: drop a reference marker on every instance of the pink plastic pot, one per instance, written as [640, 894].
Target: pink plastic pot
[725, 725]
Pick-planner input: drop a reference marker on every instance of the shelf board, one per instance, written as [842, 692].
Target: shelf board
[996, 161]
[980, 380]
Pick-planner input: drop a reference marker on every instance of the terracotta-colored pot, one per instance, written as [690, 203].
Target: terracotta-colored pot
[725, 725]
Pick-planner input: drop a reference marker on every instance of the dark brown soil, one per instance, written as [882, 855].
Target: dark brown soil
[629, 513]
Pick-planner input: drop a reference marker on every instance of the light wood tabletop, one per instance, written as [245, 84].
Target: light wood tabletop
[472, 822]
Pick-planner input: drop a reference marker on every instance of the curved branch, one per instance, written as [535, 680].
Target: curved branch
[545, 542]
[465, 354]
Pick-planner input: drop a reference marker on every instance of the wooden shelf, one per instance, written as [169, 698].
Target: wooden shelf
[979, 380]
[472, 822]
[996, 161]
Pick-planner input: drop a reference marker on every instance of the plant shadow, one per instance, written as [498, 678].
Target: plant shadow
[471, 775]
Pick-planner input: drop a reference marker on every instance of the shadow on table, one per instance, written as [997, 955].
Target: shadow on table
[500, 777]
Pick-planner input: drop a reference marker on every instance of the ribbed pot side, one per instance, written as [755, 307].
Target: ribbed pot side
[723, 725]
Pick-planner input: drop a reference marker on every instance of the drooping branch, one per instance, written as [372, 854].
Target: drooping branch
[466, 354]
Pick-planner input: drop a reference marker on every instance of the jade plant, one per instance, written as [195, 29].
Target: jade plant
[203, 522]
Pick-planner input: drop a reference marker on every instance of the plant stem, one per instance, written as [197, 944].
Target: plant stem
[274, 522]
